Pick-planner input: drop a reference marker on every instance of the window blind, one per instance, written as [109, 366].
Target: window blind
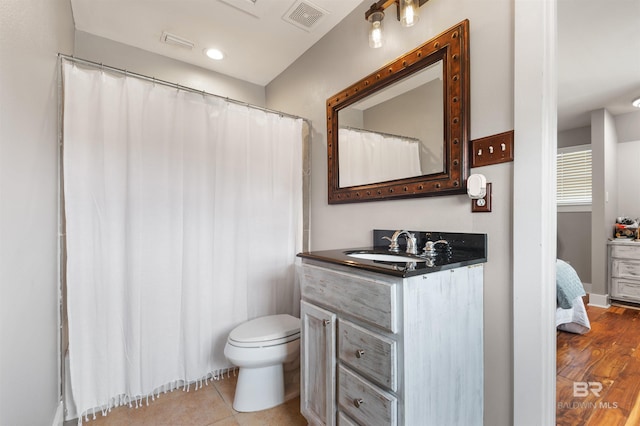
[574, 175]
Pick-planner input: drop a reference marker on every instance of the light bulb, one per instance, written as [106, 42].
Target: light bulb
[408, 12]
[375, 32]
[375, 35]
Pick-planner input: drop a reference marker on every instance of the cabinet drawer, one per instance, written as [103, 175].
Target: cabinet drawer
[625, 251]
[627, 289]
[368, 353]
[364, 402]
[625, 268]
[372, 301]
[343, 420]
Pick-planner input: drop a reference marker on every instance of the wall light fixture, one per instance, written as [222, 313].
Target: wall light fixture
[375, 32]
[407, 13]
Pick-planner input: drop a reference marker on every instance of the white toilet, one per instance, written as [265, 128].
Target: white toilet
[260, 347]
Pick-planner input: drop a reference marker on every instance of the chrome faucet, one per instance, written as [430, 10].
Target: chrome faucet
[411, 242]
[430, 247]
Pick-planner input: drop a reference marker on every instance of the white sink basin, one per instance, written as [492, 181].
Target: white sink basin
[385, 257]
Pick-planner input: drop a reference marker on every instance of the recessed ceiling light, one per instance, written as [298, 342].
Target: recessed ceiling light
[214, 54]
[636, 103]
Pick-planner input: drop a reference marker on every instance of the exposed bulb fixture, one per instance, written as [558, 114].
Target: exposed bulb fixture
[636, 103]
[214, 54]
[375, 32]
[409, 14]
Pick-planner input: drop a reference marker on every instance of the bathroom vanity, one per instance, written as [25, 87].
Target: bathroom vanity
[393, 343]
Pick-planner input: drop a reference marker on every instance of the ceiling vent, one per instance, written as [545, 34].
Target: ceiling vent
[176, 41]
[304, 15]
[250, 7]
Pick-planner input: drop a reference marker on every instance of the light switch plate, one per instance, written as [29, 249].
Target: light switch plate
[492, 149]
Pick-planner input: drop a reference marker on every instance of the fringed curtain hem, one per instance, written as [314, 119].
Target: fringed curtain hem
[138, 401]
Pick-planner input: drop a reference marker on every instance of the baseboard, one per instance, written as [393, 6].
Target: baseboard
[599, 300]
[58, 419]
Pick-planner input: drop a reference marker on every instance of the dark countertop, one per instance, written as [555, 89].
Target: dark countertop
[466, 249]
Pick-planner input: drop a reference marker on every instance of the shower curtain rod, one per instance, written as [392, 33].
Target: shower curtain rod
[176, 85]
[360, 130]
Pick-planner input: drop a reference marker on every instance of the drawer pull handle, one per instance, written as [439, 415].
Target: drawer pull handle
[358, 402]
[359, 353]
[326, 322]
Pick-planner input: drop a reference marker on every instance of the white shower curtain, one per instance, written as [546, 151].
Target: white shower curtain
[368, 157]
[183, 219]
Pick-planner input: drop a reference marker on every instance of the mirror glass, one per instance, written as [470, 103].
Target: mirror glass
[403, 131]
[395, 133]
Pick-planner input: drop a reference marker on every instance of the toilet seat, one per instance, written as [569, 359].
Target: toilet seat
[261, 347]
[271, 330]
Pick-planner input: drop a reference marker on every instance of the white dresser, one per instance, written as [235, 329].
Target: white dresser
[384, 350]
[624, 270]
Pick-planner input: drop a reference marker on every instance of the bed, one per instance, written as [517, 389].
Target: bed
[571, 314]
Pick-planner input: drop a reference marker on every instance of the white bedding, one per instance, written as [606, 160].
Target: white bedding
[574, 319]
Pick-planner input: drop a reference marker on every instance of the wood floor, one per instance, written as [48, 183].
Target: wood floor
[598, 373]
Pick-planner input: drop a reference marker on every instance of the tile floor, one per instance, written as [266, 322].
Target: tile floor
[209, 406]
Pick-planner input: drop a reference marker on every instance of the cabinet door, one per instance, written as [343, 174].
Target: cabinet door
[318, 362]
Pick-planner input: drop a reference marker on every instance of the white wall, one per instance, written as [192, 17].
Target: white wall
[534, 230]
[574, 243]
[573, 137]
[32, 32]
[343, 57]
[122, 56]
[628, 126]
[604, 206]
[629, 179]
[628, 167]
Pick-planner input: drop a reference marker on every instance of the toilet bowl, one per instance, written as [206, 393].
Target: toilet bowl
[260, 347]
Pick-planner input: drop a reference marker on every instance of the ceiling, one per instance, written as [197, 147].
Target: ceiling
[598, 58]
[253, 34]
[598, 49]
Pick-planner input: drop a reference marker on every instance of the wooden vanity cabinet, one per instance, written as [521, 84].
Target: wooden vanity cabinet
[317, 349]
[624, 271]
[383, 350]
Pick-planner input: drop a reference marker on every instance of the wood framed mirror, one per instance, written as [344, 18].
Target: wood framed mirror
[403, 131]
